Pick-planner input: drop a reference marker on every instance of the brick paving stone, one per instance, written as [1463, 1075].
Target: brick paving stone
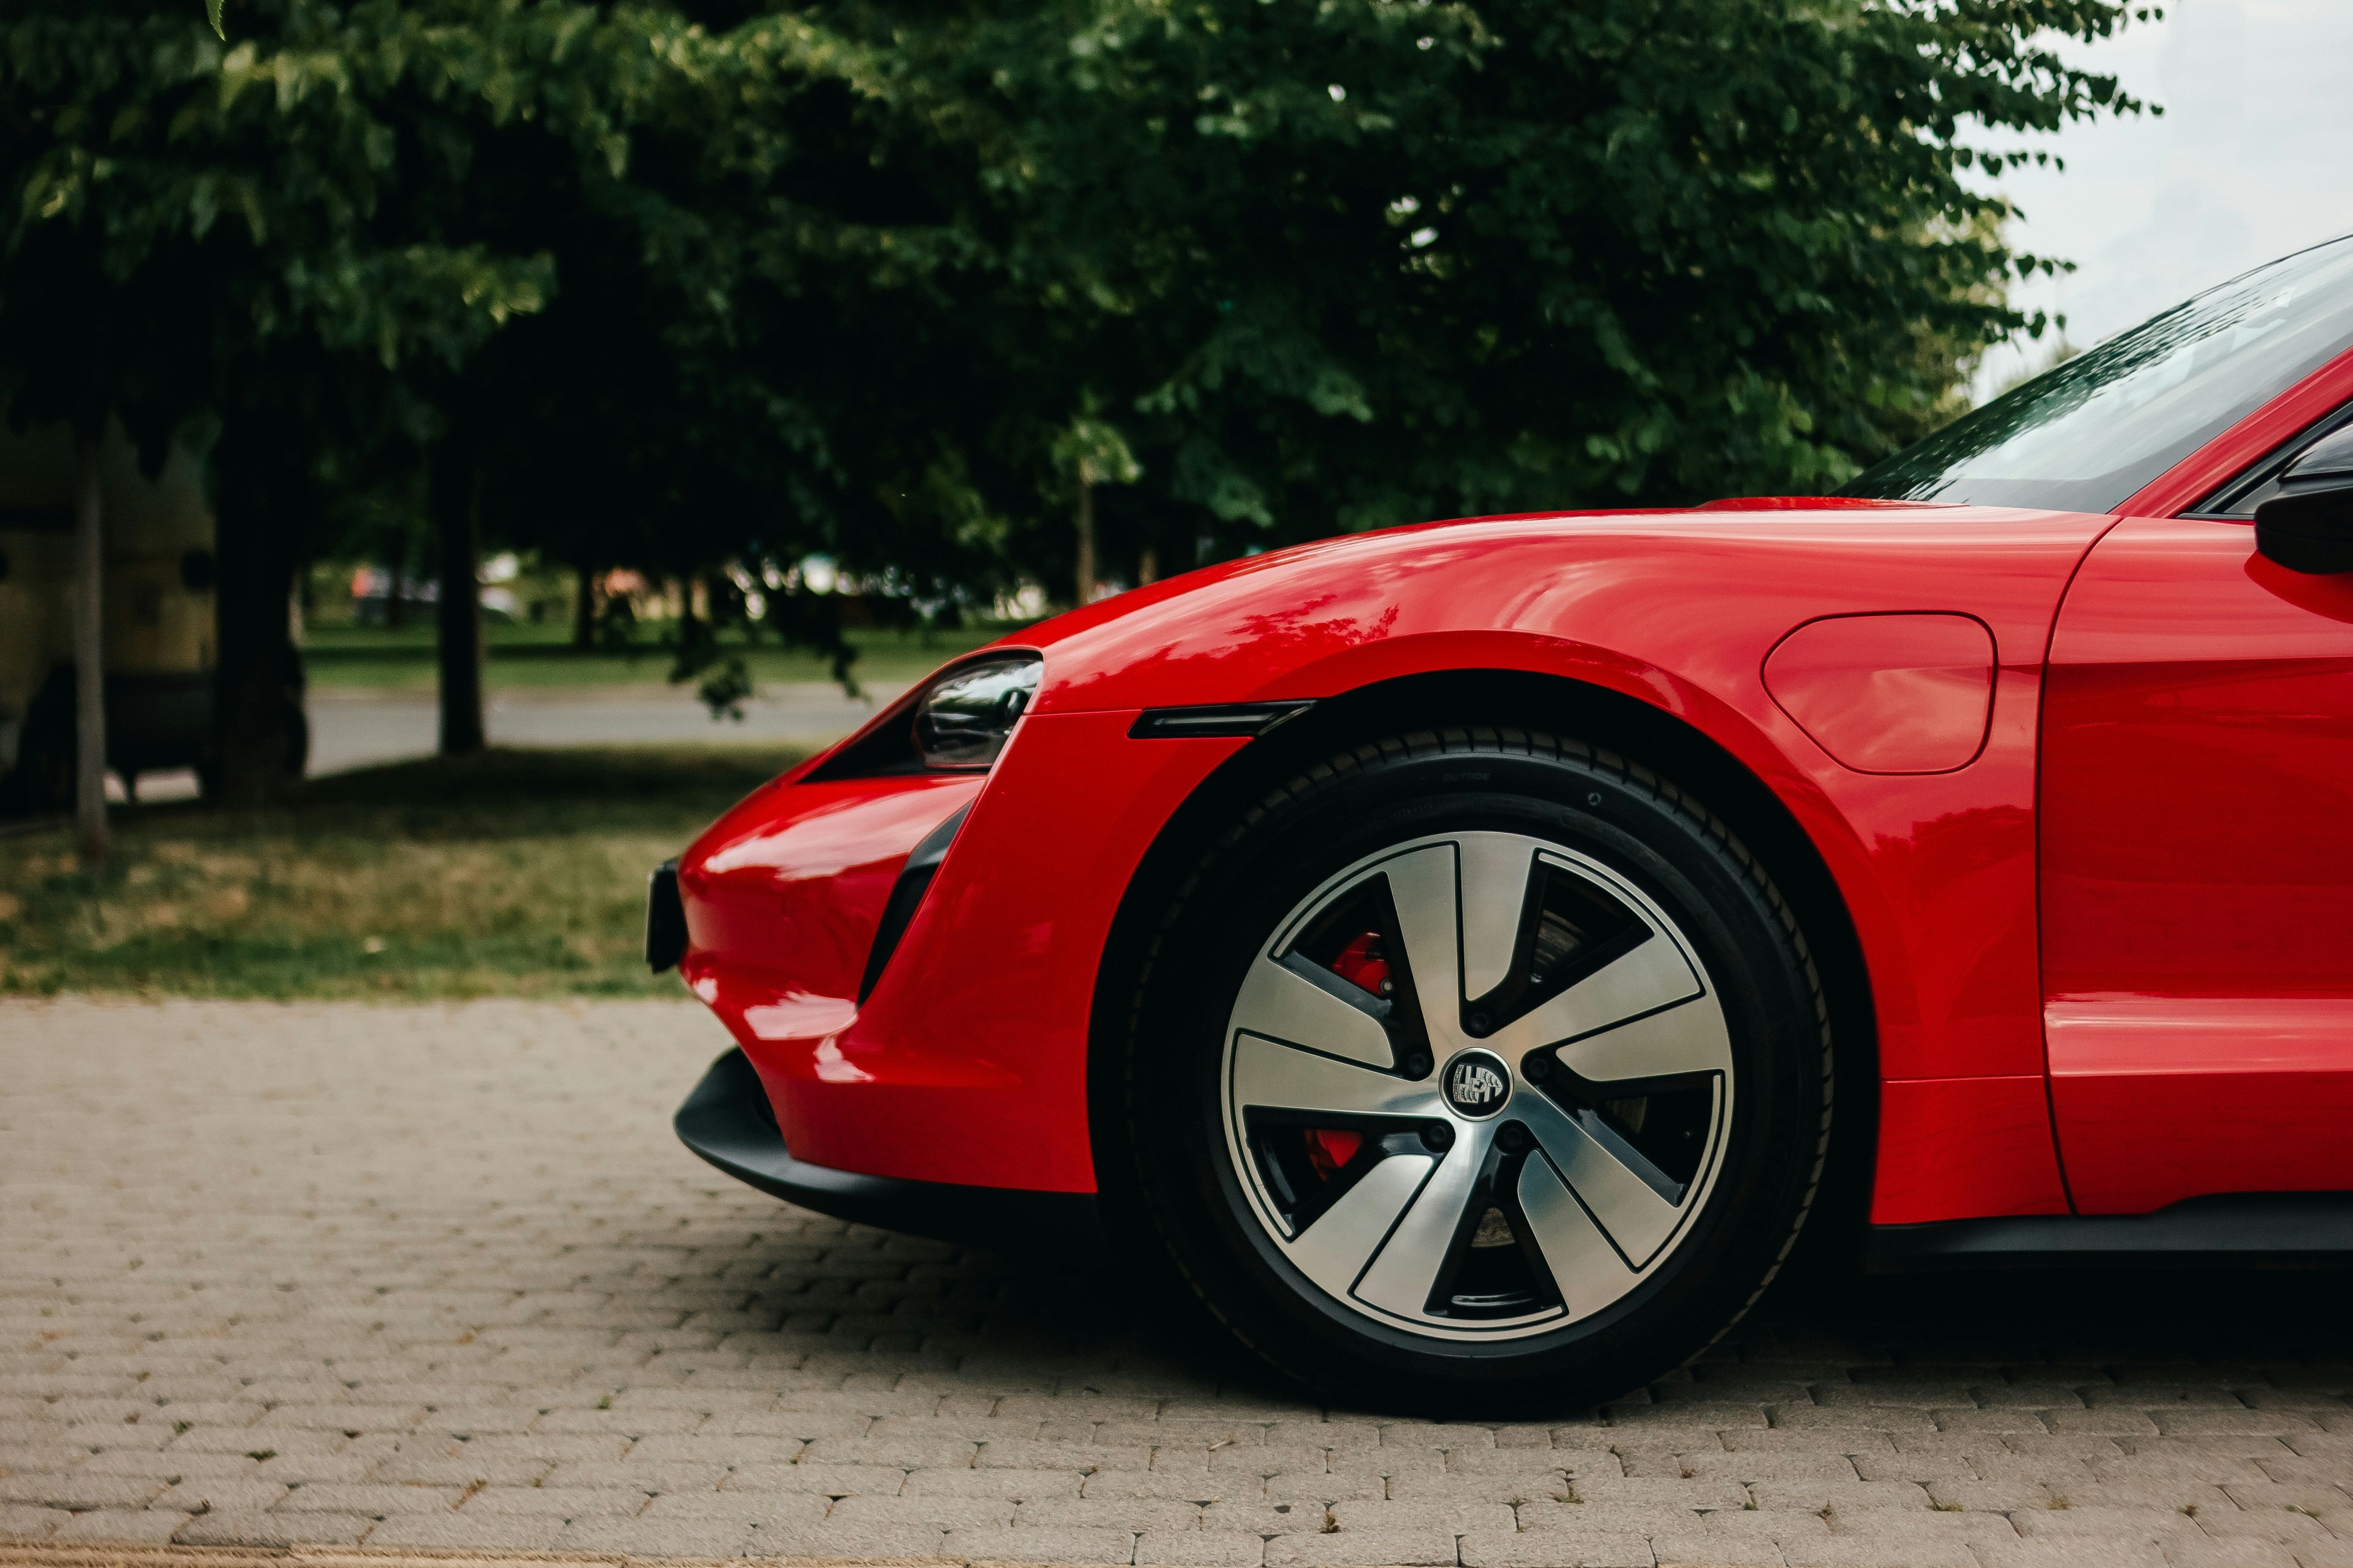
[507, 1533]
[448, 1268]
[829, 1540]
[1697, 1548]
[1360, 1548]
[1848, 1551]
[1199, 1549]
[1840, 1495]
[18, 1523]
[74, 1490]
[233, 1495]
[276, 1531]
[1553, 1549]
[2240, 1551]
[553, 1502]
[1450, 1487]
[657, 1537]
[1045, 1545]
[131, 1527]
[1461, 1517]
[1079, 1513]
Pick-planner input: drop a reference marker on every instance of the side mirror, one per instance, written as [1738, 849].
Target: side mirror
[2307, 525]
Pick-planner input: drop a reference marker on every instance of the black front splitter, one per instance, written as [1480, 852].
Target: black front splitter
[727, 1120]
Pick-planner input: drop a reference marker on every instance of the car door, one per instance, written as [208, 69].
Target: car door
[2197, 868]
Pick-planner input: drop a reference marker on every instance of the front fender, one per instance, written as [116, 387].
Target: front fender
[1680, 612]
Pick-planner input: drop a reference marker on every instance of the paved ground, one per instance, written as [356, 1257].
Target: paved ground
[438, 1278]
[358, 729]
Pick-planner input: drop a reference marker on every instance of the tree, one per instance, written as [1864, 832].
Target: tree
[1367, 262]
[196, 229]
[1088, 453]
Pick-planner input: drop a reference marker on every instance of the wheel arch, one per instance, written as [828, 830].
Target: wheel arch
[1515, 699]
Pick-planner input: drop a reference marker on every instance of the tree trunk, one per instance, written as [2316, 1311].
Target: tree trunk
[260, 733]
[1086, 572]
[89, 663]
[458, 520]
[1148, 566]
[584, 610]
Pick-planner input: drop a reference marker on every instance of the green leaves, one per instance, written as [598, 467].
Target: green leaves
[1379, 261]
[882, 279]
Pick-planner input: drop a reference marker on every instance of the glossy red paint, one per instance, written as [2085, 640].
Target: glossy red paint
[2166, 1097]
[1806, 503]
[2200, 717]
[1888, 694]
[804, 873]
[783, 896]
[1955, 1148]
[2198, 872]
[1938, 872]
[968, 1063]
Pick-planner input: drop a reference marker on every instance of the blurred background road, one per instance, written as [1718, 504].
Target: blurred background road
[371, 692]
[355, 729]
[359, 728]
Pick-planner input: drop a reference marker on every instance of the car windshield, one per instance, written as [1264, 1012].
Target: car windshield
[2086, 435]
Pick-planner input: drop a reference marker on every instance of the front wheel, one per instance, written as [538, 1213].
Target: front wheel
[1478, 1072]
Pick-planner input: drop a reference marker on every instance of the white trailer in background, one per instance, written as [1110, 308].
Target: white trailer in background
[159, 638]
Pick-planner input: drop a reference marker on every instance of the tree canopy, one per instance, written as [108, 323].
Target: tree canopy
[707, 283]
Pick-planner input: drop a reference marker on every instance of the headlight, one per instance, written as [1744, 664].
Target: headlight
[962, 722]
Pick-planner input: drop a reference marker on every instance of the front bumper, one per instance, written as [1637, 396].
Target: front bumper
[962, 1061]
[728, 1121]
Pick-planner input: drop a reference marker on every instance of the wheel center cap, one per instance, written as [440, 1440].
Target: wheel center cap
[1477, 1084]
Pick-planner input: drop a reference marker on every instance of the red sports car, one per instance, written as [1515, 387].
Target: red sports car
[1465, 955]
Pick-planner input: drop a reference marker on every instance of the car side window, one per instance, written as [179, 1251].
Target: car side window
[2324, 446]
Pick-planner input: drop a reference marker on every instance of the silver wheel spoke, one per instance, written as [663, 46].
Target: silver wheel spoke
[1586, 1268]
[1402, 1277]
[1334, 1251]
[1422, 889]
[1284, 1004]
[1274, 1076]
[1630, 1212]
[1683, 1039]
[1655, 975]
[1494, 891]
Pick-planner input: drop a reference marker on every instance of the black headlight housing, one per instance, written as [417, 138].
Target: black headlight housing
[959, 721]
[965, 717]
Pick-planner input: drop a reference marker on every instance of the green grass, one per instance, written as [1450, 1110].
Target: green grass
[516, 873]
[523, 655]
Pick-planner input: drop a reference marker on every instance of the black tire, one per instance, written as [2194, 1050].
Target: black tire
[1211, 1168]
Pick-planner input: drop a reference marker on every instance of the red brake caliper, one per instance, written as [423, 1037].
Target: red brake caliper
[1329, 1148]
[1359, 963]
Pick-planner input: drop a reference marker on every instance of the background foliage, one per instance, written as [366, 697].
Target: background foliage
[690, 286]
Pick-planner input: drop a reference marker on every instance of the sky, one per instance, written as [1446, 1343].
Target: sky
[2253, 159]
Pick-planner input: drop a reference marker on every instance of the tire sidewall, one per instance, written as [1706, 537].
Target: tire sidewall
[1395, 794]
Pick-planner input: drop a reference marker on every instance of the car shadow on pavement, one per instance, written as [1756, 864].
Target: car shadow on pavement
[1091, 1329]
[2204, 1316]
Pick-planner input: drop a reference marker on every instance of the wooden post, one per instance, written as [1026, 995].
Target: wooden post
[1086, 573]
[90, 662]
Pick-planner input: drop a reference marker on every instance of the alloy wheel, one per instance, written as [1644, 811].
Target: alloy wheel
[1476, 1086]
